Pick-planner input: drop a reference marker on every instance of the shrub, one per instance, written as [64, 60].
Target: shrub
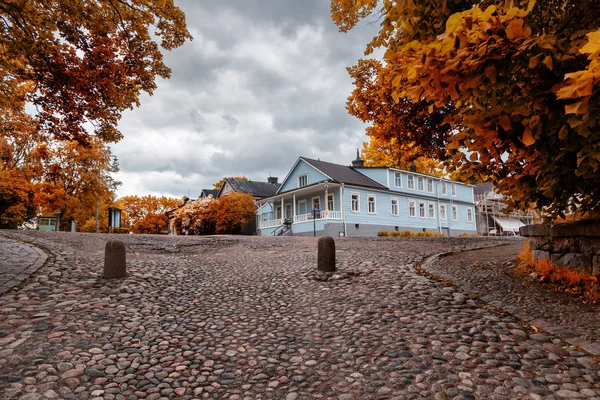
[429, 234]
[408, 234]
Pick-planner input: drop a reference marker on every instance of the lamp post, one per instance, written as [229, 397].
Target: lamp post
[314, 215]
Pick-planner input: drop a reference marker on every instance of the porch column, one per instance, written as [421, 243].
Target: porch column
[294, 208]
[326, 201]
[282, 210]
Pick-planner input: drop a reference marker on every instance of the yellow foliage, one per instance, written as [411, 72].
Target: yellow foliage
[517, 83]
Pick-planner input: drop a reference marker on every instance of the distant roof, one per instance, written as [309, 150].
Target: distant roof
[483, 188]
[343, 174]
[208, 192]
[256, 189]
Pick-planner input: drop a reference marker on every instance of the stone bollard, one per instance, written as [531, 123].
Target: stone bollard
[326, 255]
[114, 260]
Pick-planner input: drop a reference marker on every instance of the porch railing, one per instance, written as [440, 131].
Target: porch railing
[319, 215]
[274, 223]
[271, 223]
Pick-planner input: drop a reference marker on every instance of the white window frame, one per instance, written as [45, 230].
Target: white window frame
[420, 184]
[318, 199]
[278, 213]
[431, 210]
[470, 214]
[330, 195]
[444, 189]
[410, 179]
[443, 212]
[369, 197]
[392, 201]
[300, 178]
[412, 209]
[454, 213]
[422, 208]
[357, 202]
[429, 185]
[398, 178]
[453, 189]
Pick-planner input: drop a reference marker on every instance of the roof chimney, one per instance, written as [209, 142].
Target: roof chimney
[358, 163]
[272, 179]
[413, 167]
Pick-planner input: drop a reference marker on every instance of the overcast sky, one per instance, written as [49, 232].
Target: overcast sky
[262, 83]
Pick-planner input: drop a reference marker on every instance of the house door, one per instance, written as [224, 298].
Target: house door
[288, 211]
[302, 207]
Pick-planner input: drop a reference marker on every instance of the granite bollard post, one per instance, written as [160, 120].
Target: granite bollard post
[115, 265]
[326, 254]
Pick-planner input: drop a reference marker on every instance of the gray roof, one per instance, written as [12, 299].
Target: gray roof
[343, 174]
[256, 189]
[207, 192]
[483, 188]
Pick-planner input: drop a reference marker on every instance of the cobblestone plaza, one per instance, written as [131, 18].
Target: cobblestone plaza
[241, 318]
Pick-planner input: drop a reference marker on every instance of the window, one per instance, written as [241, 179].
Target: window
[371, 203]
[422, 210]
[411, 209]
[469, 214]
[442, 211]
[398, 179]
[394, 206]
[454, 213]
[278, 212]
[330, 202]
[421, 183]
[431, 211]
[411, 182]
[453, 189]
[444, 189]
[430, 185]
[302, 180]
[316, 203]
[355, 202]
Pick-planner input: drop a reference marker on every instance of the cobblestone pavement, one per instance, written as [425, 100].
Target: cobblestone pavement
[18, 260]
[490, 274]
[239, 318]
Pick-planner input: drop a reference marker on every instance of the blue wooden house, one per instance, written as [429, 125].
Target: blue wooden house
[338, 200]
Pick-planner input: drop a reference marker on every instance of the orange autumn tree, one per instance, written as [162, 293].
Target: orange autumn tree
[81, 62]
[57, 176]
[146, 214]
[235, 211]
[73, 177]
[401, 132]
[523, 77]
[379, 153]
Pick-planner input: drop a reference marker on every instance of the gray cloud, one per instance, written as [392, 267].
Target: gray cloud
[261, 84]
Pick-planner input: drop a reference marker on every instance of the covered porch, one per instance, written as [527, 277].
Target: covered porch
[322, 201]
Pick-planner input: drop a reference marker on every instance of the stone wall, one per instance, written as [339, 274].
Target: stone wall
[574, 244]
